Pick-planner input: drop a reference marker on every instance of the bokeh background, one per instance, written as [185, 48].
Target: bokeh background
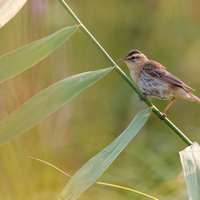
[166, 31]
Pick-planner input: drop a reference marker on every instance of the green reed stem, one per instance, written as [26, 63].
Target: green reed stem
[124, 76]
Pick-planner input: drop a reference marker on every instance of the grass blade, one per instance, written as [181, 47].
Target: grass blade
[45, 103]
[89, 173]
[25, 57]
[125, 188]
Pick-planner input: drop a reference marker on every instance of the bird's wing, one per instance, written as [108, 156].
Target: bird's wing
[160, 73]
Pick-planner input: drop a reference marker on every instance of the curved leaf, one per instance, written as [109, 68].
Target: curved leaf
[25, 57]
[45, 103]
[8, 9]
[88, 174]
[191, 167]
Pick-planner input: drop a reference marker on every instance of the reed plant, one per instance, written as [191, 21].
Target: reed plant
[58, 94]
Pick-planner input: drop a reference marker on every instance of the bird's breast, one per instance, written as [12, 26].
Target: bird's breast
[135, 75]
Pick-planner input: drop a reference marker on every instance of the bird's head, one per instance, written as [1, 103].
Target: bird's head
[134, 58]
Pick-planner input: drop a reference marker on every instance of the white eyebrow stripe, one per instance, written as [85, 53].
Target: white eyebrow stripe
[135, 55]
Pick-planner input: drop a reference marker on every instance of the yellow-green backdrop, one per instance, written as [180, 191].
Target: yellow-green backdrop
[166, 31]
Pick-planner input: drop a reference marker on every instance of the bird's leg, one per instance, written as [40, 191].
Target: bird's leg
[164, 111]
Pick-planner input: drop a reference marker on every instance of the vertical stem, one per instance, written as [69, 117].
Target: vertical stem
[101, 49]
[84, 29]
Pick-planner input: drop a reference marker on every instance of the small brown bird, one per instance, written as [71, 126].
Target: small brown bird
[154, 80]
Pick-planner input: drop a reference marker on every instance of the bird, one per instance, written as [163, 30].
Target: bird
[153, 79]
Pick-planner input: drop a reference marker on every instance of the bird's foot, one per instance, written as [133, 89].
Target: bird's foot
[163, 117]
[144, 98]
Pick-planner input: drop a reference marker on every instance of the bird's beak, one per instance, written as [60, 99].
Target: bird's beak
[121, 59]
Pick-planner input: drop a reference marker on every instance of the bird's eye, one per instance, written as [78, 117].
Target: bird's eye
[133, 57]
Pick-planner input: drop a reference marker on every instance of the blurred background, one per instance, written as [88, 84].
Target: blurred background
[165, 31]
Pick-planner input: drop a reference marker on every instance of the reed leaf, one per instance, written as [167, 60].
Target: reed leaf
[89, 172]
[25, 57]
[46, 102]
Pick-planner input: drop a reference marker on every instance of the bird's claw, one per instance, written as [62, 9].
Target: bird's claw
[144, 98]
[163, 117]
[163, 113]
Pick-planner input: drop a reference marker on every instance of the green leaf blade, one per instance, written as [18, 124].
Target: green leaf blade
[88, 174]
[25, 57]
[46, 102]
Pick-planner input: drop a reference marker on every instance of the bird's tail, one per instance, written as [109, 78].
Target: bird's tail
[187, 95]
[194, 98]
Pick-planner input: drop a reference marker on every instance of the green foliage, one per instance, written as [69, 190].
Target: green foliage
[89, 173]
[75, 133]
[25, 57]
[50, 99]
[45, 103]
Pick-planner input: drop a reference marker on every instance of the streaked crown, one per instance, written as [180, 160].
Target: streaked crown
[134, 56]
